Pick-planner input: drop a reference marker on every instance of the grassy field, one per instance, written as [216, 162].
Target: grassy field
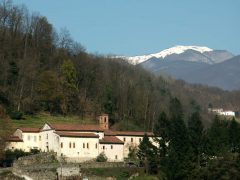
[40, 119]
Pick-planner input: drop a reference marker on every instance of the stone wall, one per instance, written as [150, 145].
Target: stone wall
[37, 167]
[44, 166]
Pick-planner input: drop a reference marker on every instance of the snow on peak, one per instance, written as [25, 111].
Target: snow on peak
[173, 50]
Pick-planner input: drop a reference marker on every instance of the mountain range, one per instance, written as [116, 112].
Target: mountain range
[194, 64]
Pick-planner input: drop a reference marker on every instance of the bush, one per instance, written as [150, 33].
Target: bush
[15, 114]
[101, 158]
[34, 151]
[10, 156]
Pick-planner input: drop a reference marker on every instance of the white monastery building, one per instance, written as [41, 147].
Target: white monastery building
[77, 143]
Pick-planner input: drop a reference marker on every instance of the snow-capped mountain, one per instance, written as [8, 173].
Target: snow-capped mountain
[163, 54]
[194, 64]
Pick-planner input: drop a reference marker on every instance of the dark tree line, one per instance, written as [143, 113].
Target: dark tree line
[188, 151]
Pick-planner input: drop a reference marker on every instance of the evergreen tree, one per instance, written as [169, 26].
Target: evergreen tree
[179, 147]
[195, 129]
[234, 136]
[147, 155]
[69, 86]
[161, 133]
[217, 138]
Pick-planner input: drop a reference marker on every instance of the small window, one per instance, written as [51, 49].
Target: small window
[83, 145]
[74, 145]
[61, 145]
[47, 136]
[35, 139]
[61, 154]
[105, 119]
[111, 146]
[96, 145]
[124, 139]
[103, 147]
[116, 157]
[131, 139]
[140, 139]
[40, 138]
[70, 145]
[29, 137]
[87, 145]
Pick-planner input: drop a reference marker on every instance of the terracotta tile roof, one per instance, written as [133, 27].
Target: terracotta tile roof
[132, 133]
[111, 140]
[30, 130]
[14, 139]
[76, 127]
[70, 134]
[109, 133]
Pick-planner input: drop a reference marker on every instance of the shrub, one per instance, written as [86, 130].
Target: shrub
[10, 156]
[15, 114]
[101, 158]
[34, 151]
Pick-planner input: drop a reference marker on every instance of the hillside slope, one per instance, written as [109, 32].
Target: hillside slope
[40, 72]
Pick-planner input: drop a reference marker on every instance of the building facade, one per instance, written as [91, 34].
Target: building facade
[77, 143]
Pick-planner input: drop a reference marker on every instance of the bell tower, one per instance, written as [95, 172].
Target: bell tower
[103, 121]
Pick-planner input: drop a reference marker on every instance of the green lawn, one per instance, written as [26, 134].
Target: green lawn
[40, 119]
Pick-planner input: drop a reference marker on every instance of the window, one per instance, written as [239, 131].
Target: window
[29, 137]
[70, 145]
[105, 119]
[87, 145]
[131, 139]
[35, 139]
[40, 138]
[96, 145]
[103, 147]
[116, 157]
[140, 139]
[124, 139]
[83, 145]
[61, 145]
[47, 136]
[74, 145]
[111, 146]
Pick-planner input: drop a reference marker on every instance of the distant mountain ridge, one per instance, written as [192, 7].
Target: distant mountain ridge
[193, 64]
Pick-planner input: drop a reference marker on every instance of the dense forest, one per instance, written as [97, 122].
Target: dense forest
[45, 70]
[187, 151]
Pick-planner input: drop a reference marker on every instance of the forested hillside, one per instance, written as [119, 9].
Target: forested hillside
[45, 70]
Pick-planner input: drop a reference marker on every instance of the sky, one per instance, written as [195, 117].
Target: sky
[137, 27]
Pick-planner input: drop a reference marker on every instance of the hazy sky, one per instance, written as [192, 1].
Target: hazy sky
[136, 27]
